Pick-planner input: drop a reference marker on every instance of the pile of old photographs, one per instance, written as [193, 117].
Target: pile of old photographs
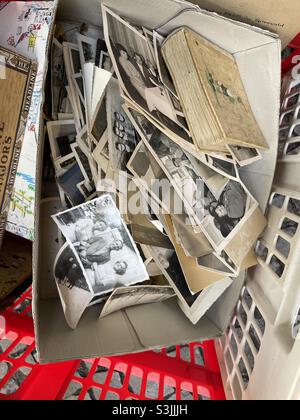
[145, 216]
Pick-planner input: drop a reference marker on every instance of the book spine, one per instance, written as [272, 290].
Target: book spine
[11, 166]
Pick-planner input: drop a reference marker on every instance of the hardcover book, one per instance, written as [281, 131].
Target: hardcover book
[17, 77]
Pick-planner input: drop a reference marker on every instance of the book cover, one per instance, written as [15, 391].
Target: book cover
[17, 78]
[211, 83]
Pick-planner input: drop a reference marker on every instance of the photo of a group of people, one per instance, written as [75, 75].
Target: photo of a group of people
[103, 245]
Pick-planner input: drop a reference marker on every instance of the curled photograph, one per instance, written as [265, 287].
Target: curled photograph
[103, 244]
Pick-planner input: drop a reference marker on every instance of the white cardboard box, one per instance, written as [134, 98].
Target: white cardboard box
[156, 325]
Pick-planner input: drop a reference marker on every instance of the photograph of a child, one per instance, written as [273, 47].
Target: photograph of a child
[103, 244]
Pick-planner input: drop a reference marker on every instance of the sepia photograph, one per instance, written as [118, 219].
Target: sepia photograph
[122, 136]
[103, 243]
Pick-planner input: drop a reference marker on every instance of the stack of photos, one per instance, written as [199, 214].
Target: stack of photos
[145, 215]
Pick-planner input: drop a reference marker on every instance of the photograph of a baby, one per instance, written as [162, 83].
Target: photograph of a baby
[103, 244]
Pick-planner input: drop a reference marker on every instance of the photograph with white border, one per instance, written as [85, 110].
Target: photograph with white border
[103, 243]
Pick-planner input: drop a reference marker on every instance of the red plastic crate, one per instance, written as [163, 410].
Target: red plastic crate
[188, 372]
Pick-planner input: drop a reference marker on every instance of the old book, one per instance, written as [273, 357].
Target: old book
[212, 94]
[17, 78]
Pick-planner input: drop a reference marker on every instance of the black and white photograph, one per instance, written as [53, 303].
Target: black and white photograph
[62, 165]
[105, 62]
[142, 125]
[60, 102]
[87, 49]
[137, 71]
[223, 215]
[122, 135]
[61, 135]
[69, 181]
[245, 155]
[73, 67]
[174, 162]
[79, 84]
[149, 174]
[68, 271]
[126, 297]
[99, 125]
[103, 243]
[83, 162]
[73, 288]
[168, 262]
[85, 189]
[222, 166]
[83, 141]
[100, 82]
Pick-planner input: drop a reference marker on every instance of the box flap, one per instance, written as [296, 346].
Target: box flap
[141, 11]
[92, 338]
[227, 34]
[278, 16]
[163, 325]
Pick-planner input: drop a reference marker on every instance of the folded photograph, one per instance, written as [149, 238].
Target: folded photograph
[103, 243]
[73, 288]
[126, 297]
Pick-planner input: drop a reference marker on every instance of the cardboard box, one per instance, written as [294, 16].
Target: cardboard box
[277, 16]
[155, 325]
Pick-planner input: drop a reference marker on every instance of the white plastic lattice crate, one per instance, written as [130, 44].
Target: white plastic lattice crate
[259, 356]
